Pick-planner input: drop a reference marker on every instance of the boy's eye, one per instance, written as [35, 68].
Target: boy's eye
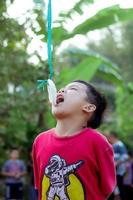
[73, 88]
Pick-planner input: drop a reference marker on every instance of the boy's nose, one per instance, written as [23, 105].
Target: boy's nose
[61, 91]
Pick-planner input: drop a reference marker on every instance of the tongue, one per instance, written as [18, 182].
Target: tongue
[60, 101]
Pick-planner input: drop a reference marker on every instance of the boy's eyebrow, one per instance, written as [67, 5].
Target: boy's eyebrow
[69, 86]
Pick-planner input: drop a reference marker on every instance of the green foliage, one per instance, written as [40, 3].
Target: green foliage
[41, 28]
[104, 18]
[120, 51]
[77, 8]
[24, 110]
[20, 102]
[124, 111]
[38, 1]
[124, 99]
[79, 72]
[101, 19]
[118, 48]
[90, 64]
[59, 35]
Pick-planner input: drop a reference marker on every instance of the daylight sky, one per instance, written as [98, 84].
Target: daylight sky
[18, 9]
[20, 6]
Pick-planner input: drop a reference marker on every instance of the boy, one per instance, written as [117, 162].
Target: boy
[73, 161]
[14, 169]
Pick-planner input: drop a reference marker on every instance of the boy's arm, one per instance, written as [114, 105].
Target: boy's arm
[23, 170]
[106, 167]
[20, 174]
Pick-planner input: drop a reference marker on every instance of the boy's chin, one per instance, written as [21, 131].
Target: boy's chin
[59, 114]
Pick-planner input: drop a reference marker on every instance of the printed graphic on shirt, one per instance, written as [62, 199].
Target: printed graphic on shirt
[60, 182]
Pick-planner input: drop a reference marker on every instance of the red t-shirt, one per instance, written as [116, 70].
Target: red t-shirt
[79, 167]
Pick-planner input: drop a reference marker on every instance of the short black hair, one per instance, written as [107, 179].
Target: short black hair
[96, 98]
[13, 148]
[114, 134]
[130, 153]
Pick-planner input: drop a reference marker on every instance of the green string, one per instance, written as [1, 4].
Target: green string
[49, 43]
[41, 83]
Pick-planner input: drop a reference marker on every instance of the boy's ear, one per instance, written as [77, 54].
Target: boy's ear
[89, 108]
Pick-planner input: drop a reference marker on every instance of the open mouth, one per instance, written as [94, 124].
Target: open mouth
[59, 99]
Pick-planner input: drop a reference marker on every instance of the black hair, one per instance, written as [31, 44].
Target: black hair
[130, 153]
[96, 98]
[13, 148]
[114, 134]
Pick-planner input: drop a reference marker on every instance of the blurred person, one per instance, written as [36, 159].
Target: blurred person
[14, 169]
[120, 156]
[128, 178]
[115, 195]
[32, 192]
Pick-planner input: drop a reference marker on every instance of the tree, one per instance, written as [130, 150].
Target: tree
[21, 103]
[119, 50]
[24, 110]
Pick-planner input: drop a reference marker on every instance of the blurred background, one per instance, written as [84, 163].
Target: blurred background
[92, 40]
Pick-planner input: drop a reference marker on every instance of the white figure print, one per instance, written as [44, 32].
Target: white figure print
[58, 173]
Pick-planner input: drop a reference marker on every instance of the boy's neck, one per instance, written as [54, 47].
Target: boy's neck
[69, 127]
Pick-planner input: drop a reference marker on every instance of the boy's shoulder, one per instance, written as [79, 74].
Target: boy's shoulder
[43, 135]
[97, 138]
[96, 135]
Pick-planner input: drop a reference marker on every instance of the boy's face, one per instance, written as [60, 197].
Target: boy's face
[72, 99]
[14, 154]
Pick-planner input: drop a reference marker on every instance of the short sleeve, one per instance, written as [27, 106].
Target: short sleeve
[5, 167]
[106, 166]
[123, 152]
[22, 166]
